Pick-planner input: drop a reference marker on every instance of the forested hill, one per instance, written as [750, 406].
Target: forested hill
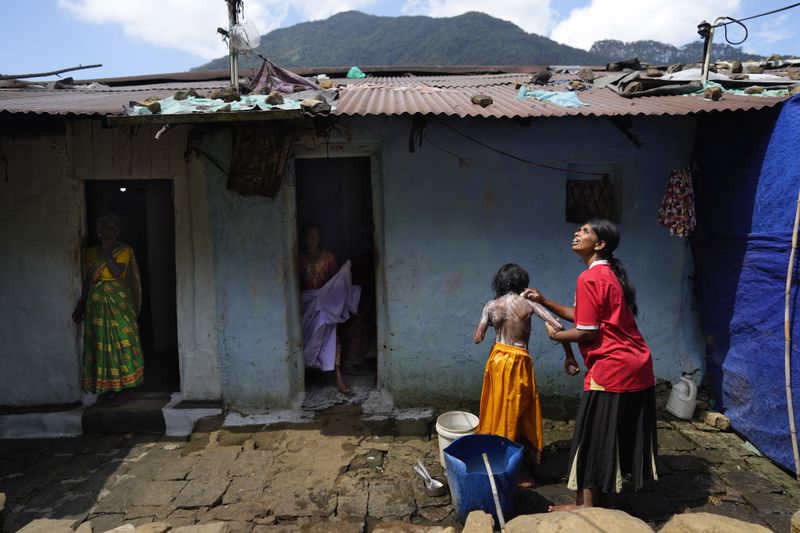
[354, 38]
[657, 53]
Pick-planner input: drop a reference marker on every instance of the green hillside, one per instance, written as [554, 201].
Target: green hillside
[657, 53]
[354, 38]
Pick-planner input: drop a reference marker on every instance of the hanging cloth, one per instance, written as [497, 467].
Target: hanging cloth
[677, 212]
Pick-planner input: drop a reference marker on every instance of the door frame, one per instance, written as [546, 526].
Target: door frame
[332, 150]
[86, 229]
[97, 153]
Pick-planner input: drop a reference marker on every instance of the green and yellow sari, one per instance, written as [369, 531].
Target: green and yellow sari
[112, 352]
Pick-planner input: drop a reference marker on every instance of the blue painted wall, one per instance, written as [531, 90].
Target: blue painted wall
[40, 272]
[255, 295]
[448, 225]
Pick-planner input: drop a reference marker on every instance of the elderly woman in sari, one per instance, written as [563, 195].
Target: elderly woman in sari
[327, 299]
[110, 303]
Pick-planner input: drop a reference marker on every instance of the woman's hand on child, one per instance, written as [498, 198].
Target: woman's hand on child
[533, 295]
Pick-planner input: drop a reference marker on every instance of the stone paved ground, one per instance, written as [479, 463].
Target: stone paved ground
[345, 474]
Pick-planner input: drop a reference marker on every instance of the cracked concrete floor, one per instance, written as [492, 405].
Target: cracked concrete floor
[346, 473]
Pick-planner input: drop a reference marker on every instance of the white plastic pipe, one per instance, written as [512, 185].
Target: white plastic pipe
[787, 333]
[233, 54]
[494, 493]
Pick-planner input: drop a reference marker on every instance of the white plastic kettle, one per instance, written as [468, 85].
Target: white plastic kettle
[683, 398]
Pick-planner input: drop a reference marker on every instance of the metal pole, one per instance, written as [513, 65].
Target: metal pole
[234, 58]
[708, 32]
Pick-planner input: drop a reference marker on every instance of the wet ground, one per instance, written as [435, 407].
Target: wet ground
[348, 472]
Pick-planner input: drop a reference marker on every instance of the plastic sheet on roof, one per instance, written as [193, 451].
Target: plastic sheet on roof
[171, 106]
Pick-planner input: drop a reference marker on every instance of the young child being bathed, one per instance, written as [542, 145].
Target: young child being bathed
[509, 401]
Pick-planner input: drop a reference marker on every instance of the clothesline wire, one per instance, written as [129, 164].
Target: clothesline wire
[517, 158]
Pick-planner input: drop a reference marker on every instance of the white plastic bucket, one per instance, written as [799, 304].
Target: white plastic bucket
[452, 425]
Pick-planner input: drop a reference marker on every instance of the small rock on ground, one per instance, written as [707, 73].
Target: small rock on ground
[478, 522]
[398, 526]
[215, 527]
[154, 527]
[591, 520]
[709, 523]
[47, 525]
[330, 526]
[86, 527]
[124, 528]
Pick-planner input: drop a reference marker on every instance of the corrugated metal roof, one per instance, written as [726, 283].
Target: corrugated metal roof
[376, 70]
[105, 101]
[395, 95]
[438, 81]
[451, 95]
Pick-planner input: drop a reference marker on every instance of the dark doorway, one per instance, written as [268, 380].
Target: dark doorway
[145, 208]
[336, 194]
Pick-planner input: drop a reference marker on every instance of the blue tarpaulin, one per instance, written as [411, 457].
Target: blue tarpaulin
[746, 192]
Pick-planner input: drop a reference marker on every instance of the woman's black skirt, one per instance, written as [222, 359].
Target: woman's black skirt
[615, 434]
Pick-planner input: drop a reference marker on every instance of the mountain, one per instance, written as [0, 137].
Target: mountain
[657, 53]
[354, 38]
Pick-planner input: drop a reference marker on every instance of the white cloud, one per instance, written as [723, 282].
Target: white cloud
[533, 16]
[673, 22]
[191, 25]
[188, 25]
[774, 30]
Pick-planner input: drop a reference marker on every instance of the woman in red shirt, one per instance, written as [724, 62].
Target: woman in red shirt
[615, 429]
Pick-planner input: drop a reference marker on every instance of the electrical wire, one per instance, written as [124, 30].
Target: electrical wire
[740, 22]
[520, 159]
[732, 20]
[465, 161]
[462, 161]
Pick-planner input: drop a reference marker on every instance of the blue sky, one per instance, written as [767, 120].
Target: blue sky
[131, 37]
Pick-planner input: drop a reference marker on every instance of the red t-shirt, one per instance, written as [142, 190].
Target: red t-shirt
[618, 359]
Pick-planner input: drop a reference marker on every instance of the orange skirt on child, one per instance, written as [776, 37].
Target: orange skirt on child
[509, 401]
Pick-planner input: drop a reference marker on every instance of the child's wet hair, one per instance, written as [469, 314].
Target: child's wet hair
[510, 278]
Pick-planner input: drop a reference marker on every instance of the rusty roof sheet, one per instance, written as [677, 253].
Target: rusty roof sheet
[451, 95]
[446, 95]
[105, 101]
[373, 100]
[377, 70]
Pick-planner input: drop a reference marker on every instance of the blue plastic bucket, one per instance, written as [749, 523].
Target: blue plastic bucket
[468, 480]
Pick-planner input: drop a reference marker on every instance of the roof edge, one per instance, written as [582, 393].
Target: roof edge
[384, 70]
